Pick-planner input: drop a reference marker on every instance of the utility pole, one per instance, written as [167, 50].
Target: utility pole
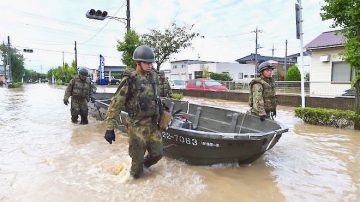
[256, 48]
[75, 56]
[127, 15]
[63, 60]
[9, 59]
[299, 35]
[285, 62]
[272, 51]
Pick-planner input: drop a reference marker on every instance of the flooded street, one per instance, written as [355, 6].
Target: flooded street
[45, 157]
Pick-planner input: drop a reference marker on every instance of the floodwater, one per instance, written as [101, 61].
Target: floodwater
[44, 157]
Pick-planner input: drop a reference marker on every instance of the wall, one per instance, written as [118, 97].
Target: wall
[320, 73]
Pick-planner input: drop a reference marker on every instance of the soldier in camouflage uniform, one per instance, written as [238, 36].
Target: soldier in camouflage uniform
[164, 86]
[80, 90]
[137, 95]
[262, 98]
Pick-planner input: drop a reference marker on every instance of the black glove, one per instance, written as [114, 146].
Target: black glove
[109, 136]
[263, 117]
[92, 99]
[273, 113]
[66, 102]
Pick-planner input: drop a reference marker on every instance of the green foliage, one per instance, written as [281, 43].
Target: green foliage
[220, 76]
[128, 46]
[293, 74]
[64, 74]
[33, 75]
[206, 73]
[15, 85]
[327, 117]
[170, 41]
[17, 62]
[177, 96]
[346, 15]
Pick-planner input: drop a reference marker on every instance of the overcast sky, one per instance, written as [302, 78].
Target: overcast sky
[50, 27]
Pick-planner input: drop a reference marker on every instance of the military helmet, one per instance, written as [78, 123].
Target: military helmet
[83, 72]
[265, 65]
[144, 54]
[161, 73]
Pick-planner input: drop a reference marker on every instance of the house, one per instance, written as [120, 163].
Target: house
[180, 71]
[2, 74]
[329, 73]
[190, 69]
[277, 61]
[297, 59]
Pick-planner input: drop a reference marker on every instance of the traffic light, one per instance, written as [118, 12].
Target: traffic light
[28, 50]
[298, 20]
[97, 15]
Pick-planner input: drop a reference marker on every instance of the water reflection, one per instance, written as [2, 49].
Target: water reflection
[44, 157]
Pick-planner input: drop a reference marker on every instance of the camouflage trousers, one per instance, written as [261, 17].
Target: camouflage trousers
[78, 107]
[143, 138]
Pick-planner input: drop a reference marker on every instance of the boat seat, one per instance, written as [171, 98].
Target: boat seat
[197, 118]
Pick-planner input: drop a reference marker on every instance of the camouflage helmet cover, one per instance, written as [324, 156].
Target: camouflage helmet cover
[265, 65]
[144, 54]
[83, 72]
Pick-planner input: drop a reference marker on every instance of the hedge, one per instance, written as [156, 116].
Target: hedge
[327, 117]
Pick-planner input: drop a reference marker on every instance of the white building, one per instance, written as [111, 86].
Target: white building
[190, 69]
[329, 73]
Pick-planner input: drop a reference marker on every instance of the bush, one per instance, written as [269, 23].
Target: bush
[220, 76]
[176, 96]
[15, 85]
[327, 117]
[293, 74]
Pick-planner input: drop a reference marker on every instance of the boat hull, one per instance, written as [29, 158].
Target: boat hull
[243, 138]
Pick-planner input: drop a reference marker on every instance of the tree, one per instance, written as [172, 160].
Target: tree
[346, 15]
[17, 62]
[220, 76]
[128, 46]
[65, 74]
[293, 74]
[170, 41]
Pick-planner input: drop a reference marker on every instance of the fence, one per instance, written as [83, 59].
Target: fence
[313, 88]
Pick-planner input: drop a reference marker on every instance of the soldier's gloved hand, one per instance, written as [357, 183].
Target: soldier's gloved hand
[109, 136]
[92, 99]
[66, 101]
[263, 117]
[274, 113]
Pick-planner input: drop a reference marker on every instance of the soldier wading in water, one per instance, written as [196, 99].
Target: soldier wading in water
[262, 98]
[137, 95]
[80, 89]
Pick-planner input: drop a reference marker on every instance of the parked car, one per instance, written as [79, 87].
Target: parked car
[205, 85]
[177, 84]
[112, 82]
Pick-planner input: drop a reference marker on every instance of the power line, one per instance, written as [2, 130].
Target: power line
[67, 52]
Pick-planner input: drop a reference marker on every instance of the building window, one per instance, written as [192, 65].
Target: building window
[175, 66]
[252, 76]
[341, 72]
[182, 66]
[241, 75]
[246, 76]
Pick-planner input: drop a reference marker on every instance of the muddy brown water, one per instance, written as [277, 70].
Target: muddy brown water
[44, 157]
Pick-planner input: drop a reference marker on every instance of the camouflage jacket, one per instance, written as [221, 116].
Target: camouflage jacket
[262, 98]
[79, 89]
[164, 88]
[137, 95]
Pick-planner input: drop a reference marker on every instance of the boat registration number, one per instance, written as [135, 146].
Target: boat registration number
[179, 138]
